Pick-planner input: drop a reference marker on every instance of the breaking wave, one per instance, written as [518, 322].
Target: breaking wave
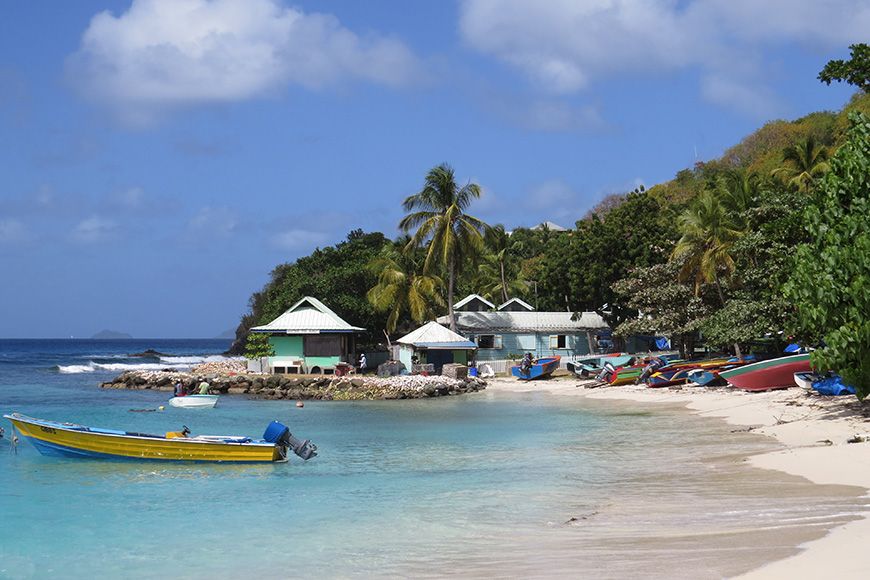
[92, 367]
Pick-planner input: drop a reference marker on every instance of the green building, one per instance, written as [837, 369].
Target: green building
[309, 338]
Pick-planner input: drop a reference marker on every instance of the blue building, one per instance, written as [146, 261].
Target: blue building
[516, 328]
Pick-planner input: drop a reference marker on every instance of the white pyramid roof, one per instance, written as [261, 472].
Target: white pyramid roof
[433, 335]
[308, 316]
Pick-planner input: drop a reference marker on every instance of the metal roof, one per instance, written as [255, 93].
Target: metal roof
[471, 297]
[308, 316]
[433, 335]
[550, 226]
[522, 303]
[526, 321]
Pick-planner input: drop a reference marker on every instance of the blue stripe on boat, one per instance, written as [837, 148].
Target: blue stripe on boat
[56, 450]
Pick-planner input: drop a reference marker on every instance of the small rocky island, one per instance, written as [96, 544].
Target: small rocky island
[231, 378]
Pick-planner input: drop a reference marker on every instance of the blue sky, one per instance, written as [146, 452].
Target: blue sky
[159, 158]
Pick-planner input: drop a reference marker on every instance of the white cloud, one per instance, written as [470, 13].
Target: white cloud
[12, 231]
[564, 45]
[299, 239]
[552, 116]
[220, 221]
[164, 54]
[94, 229]
[132, 197]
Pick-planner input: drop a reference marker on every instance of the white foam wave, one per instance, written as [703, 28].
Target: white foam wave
[119, 367]
[72, 369]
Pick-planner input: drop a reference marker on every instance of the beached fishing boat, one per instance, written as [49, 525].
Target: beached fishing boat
[624, 375]
[806, 379]
[71, 440]
[669, 378]
[541, 369]
[777, 373]
[194, 401]
[587, 367]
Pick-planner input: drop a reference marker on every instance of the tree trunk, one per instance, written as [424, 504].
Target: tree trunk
[450, 282]
[722, 299]
[504, 295]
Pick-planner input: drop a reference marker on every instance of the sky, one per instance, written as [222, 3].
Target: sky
[160, 157]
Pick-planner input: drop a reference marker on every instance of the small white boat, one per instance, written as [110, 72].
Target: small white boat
[194, 401]
[805, 380]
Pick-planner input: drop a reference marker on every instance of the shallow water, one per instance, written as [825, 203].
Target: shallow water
[491, 484]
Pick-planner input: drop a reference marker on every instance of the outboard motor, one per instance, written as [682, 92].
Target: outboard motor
[279, 434]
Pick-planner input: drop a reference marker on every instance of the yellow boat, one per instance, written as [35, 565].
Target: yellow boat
[71, 440]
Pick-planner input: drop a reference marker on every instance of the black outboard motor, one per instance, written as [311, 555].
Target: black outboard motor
[280, 434]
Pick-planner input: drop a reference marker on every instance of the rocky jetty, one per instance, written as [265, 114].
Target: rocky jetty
[327, 388]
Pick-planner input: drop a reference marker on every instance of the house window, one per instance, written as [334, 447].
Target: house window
[323, 345]
[558, 341]
[489, 341]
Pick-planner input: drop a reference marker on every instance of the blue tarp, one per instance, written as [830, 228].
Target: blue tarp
[663, 343]
[794, 347]
[833, 386]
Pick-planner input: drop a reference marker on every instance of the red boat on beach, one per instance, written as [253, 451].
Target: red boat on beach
[777, 373]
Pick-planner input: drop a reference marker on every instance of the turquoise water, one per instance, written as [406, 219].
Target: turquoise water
[480, 485]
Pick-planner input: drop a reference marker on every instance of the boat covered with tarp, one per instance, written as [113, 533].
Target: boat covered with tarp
[54, 438]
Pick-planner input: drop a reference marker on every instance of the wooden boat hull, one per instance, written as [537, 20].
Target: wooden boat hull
[805, 380]
[766, 375]
[625, 376]
[542, 369]
[195, 401]
[69, 440]
[677, 377]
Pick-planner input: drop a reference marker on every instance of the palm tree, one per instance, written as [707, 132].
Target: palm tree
[438, 213]
[709, 232]
[499, 276]
[803, 164]
[401, 288]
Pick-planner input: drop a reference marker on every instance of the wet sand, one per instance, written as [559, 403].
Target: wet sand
[813, 434]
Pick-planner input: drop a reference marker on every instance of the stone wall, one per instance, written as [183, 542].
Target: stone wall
[353, 388]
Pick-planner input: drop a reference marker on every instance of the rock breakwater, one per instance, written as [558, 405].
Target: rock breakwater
[327, 388]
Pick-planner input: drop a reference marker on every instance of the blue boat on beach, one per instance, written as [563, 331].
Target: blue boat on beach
[541, 369]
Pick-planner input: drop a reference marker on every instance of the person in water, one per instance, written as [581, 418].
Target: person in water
[203, 388]
[179, 389]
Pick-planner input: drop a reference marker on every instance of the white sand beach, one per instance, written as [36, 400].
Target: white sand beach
[814, 431]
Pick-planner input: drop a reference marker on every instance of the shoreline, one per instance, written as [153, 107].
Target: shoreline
[299, 387]
[814, 432]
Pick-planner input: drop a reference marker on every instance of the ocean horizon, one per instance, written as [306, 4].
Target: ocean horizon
[479, 485]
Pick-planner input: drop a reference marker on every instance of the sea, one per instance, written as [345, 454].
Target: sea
[492, 485]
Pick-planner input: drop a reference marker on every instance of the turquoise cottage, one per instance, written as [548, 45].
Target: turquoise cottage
[515, 327]
[435, 345]
[309, 338]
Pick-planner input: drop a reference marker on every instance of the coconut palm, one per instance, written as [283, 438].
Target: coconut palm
[803, 164]
[401, 288]
[709, 232]
[499, 275]
[437, 216]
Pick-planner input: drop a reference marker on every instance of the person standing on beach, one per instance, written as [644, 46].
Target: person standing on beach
[362, 363]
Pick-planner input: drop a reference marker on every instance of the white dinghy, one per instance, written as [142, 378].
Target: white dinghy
[194, 401]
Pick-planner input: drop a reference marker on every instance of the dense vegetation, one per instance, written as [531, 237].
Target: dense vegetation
[768, 240]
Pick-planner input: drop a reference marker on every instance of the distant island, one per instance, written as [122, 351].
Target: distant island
[107, 334]
[229, 333]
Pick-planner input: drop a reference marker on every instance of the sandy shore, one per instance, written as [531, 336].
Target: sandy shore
[815, 432]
